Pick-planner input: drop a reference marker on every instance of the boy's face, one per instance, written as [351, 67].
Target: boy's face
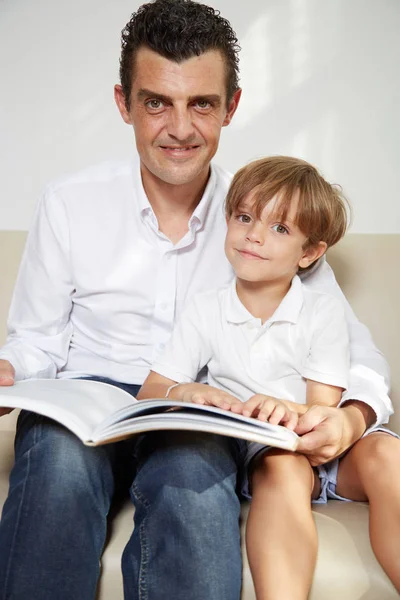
[265, 249]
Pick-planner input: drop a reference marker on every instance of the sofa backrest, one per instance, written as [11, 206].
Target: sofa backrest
[364, 265]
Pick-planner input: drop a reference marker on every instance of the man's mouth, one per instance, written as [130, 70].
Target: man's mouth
[179, 149]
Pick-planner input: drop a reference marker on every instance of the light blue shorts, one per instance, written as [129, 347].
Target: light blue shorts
[327, 473]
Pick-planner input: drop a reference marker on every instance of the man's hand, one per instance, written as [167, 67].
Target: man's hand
[7, 374]
[267, 408]
[199, 393]
[327, 432]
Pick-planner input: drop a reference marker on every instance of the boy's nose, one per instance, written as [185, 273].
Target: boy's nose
[256, 234]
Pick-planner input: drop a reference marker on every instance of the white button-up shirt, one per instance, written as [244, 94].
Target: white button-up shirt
[305, 338]
[100, 287]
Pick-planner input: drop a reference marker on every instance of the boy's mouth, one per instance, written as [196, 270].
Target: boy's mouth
[251, 255]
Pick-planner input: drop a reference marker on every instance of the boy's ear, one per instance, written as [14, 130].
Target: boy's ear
[312, 253]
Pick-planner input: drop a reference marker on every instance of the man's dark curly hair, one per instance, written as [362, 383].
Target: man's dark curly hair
[178, 30]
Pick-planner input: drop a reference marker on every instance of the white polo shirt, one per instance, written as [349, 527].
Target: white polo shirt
[305, 338]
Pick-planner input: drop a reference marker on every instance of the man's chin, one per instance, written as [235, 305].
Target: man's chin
[180, 174]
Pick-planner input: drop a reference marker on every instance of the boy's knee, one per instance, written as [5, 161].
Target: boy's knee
[280, 465]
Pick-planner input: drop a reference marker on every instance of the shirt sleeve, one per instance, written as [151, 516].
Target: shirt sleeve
[39, 328]
[369, 378]
[328, 360]
[189, 347]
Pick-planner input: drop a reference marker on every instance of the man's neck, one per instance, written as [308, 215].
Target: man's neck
[262, 298]
[173, 205]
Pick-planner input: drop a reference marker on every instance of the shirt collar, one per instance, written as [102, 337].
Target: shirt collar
[199, 214]
[288, 310]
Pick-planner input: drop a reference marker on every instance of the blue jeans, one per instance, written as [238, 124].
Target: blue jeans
[53, 528]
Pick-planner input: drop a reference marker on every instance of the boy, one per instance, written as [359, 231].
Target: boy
[272, 349]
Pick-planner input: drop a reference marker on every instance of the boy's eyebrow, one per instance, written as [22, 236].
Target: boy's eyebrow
[211, 98]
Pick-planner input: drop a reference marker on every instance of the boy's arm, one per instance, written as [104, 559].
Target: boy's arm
[318, 394]
[157, 386]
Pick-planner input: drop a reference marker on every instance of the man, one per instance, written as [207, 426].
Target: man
[113, 255]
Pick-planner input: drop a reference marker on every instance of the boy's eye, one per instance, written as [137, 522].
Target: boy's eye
[279, 228]
[243, 218]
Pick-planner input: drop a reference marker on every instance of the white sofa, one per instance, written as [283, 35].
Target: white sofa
[365, 266]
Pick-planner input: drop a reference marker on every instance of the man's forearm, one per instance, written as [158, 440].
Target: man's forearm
[360, 417]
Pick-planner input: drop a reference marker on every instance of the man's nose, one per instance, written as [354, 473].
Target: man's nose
[180, 125]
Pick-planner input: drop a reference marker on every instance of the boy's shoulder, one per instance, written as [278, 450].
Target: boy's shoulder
[319, 301]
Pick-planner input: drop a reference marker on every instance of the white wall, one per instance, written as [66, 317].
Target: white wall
[320, 80]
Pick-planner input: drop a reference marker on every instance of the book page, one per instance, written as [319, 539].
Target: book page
[80, 405]
[192, 417]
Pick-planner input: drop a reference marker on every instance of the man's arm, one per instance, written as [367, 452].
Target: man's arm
[369, 372]
[39, 329]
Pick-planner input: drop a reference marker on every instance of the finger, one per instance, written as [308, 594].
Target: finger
[197, 399]
[6, 380]
[237, 408]
[314, 442]
[309, 420]
[252, 405]
[290, 421]
[267, 408]
[277, 414]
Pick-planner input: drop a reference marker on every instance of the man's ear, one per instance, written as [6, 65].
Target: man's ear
[233, 104]
[119, 98]
[312, 253]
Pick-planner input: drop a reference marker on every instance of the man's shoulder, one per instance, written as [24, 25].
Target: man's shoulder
[101, 174]
[317, 302]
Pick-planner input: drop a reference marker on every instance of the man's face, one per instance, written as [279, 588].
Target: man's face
[177, 111]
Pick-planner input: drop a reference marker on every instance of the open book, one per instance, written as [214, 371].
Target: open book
[99, 413]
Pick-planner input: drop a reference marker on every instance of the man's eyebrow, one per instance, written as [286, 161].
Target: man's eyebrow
[143, 92]
[211, 98]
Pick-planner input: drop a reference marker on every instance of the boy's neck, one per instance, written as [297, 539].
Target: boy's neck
[262, 299]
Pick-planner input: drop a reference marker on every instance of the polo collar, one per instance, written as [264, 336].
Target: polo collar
[288, 310]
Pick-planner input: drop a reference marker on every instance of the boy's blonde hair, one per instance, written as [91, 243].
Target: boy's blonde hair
[322, 212]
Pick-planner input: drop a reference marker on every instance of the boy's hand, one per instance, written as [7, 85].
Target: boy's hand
[267, 408]
[200, 393]
[7, 374]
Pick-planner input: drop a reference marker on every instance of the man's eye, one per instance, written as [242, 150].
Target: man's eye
[244, 218]
[203, 104]
[279, 228]
[154, 104]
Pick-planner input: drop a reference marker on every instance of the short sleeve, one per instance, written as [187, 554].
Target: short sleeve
[328, 360]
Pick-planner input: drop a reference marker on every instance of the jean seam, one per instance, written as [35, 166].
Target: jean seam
[28, 454]
[144, 549]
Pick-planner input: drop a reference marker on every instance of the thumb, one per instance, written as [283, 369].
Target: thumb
[7, 373]
[6, 379]
[309, 420]
[311, 441]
